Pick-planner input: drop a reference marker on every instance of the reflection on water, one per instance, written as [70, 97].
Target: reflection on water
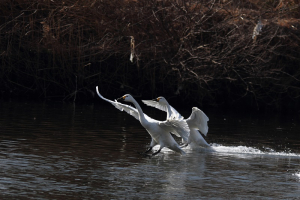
[56, 150]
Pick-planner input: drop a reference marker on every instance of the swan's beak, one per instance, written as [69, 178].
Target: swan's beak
[157, 99]
[121, 98]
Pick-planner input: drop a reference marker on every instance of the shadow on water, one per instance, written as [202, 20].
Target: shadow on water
[56, 150]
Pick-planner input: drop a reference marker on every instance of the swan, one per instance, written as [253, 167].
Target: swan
[196, 122]
[158, 130]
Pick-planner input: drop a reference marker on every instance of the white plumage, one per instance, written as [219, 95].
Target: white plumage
[196, 122]
[158, 130]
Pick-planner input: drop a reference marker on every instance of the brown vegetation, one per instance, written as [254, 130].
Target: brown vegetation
[203, 50]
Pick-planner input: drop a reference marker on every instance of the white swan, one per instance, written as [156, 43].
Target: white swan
[158, 130]
[197, 120]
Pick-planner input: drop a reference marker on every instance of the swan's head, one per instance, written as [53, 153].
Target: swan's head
[126, 97]
[161, 100]
[194, 109]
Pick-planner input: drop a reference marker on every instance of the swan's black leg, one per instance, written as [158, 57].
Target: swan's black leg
[145, 153]
[156, 152]
[185, 145]
[150, 148]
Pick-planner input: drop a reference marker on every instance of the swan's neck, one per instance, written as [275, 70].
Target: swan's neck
[169, 113]
[140, 111]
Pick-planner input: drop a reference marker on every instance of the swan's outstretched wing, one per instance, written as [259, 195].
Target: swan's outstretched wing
[155, 104]
[198, 120]
[174, 113]
[179, 126]
[122, 107]
[114, 103]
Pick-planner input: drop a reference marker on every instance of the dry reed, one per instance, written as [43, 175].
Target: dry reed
[200, 50]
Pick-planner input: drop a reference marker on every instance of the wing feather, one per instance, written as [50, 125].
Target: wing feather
[174, 113]
[198, 120]
[155, 104]
[123, 107]
[177, 127]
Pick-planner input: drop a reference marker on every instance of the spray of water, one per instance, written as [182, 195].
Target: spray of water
[236, 150]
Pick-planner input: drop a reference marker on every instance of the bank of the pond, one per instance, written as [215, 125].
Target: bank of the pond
[224, 53]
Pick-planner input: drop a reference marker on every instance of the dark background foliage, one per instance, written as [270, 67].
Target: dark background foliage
[197, 52]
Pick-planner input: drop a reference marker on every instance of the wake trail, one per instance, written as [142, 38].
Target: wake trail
[250, 150]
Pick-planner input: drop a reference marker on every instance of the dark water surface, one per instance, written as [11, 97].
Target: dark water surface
[67, 151]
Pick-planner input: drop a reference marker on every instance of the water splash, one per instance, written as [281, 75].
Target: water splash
[297, 175]
[250, 150]
[239, 151]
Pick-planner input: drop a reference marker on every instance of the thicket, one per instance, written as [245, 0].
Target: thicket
[210, 52]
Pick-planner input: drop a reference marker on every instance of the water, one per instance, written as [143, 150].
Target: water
[66, 151]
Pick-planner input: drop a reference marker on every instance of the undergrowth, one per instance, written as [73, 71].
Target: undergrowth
[208, 52]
